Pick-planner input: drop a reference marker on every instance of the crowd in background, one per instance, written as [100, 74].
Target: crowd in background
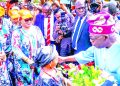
[33, 36]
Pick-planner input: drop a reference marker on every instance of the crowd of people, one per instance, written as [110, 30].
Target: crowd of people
[35, 38]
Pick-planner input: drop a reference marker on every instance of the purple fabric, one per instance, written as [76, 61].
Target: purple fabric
[101, 23]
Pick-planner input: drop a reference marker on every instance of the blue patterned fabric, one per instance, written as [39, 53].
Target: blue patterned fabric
[51, 82]
[45, 55]
[25, 44]
[5, 79]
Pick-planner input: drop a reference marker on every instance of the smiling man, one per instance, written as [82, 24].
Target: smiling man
[80, 36]
[105, 46]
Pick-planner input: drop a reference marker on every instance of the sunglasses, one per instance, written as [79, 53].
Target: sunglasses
[81, 8]
[95, 38]
[15, 18]
[28, 19]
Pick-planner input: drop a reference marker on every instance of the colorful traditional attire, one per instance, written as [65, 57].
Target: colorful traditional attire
[45, 56]
[5, 39]
[52, 81]
[25, 44]
[105, 58]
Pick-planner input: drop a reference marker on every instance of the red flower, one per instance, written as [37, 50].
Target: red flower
[79, 67]
[66, 67]
[90, 64]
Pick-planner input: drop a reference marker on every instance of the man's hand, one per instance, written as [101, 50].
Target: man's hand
[2, 56]
[59, 38]
[61, 59]
[57, 27]
[60, 32]
[28, 60]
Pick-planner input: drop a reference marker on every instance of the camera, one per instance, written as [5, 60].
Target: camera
[94, 8]
[63, 23]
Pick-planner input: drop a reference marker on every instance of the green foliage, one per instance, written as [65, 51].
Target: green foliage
[2, 0]
[86, 76]
[36, 1]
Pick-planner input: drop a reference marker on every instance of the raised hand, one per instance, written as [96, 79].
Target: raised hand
[2, 56]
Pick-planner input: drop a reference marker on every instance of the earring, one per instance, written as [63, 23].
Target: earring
[50, 66]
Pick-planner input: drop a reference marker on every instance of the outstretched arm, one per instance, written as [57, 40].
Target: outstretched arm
[65, 59]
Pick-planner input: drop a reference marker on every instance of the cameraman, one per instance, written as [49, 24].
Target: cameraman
[62, 32]
[96, 6]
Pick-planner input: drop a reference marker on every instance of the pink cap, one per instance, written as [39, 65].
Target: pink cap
[101, 23]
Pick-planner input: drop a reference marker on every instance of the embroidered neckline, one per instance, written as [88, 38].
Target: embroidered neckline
[51, 75]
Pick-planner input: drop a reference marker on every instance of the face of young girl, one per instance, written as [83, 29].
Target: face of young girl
[54, 62]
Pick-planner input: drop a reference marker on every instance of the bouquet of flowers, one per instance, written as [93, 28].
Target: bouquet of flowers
[83, 75]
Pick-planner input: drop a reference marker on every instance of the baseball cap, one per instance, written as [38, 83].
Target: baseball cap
[25, 14]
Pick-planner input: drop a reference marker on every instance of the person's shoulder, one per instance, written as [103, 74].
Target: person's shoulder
[118, 40]
[35, 27]
[16, 32]
[40, 15]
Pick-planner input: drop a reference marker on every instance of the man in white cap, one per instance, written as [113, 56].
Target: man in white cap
[105, 46]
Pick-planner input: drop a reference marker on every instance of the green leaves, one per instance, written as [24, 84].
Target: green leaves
[85, 76]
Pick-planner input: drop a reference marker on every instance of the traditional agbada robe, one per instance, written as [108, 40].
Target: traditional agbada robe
[104, 52]
[107, 59]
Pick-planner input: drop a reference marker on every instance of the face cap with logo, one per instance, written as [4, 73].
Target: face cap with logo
[101, 23]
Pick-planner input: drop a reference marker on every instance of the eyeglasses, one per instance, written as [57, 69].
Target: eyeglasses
[28, 19]
[57, 17]
[95, 38]
[80, 8]
[16, 19]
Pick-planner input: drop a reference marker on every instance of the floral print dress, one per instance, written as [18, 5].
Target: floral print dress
[4, 74]
[25, 44]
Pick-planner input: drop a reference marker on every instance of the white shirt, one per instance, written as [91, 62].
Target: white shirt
[51, 27]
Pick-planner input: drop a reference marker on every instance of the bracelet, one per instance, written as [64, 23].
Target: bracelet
[29, 61]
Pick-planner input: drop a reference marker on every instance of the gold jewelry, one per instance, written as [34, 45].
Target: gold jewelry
[28, 60]
[50, 65]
